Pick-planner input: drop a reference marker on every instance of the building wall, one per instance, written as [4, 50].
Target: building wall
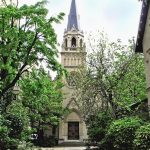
[146, 50]
[71, 58]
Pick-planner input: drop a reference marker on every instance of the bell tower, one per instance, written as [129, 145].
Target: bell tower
[72, 127]
[73, 48]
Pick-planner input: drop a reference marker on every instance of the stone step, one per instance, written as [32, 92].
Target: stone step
[71, 143]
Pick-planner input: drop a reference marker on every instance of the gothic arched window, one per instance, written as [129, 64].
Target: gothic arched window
[80, 42]
[73, 42]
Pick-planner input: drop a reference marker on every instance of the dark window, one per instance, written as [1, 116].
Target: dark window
[73, 42]
[66, 43]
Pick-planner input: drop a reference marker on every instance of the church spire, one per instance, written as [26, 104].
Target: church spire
[73, 18]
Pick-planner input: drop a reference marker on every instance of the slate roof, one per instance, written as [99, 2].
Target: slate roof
[73, 18]
[142, 24]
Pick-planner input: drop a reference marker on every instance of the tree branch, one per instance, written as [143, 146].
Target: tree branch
[18, 75]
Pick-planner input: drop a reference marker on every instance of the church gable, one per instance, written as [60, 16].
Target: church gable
[72, 104]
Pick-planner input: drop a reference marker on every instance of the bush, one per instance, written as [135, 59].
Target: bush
[14, 127]
[106, 144]
[15, 124]
[10, 131]
[6, 141]
[97, 126]
[121, 133]
[142, 137]
[49, 141]
[3, 133]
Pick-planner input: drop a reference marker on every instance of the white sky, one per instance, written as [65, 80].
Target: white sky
[118, 18]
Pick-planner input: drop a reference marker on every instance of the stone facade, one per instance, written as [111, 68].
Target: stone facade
[73, 54]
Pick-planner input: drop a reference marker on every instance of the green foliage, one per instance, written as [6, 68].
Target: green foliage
[50, 141]
[142, 137]
[39, 103]
[27, 38]
[42, 97]
[14, 127]
[22, 121]
[111, 81]
[121, 133]
[97, 126]
[3, 133]
[133, 86]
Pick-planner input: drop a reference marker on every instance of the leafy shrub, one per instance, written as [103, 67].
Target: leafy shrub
[15, 124]
[3, 133]
[121, 133]
[14, 127]
[106, 144]
[6, 142]
[142, 137]
[49, 141]
[97, 126]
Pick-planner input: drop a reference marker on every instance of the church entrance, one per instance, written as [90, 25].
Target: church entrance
[73, 130]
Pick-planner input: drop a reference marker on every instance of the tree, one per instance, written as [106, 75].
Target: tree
[43, 98]
[38, 105]
[114, 77]
[27, 38]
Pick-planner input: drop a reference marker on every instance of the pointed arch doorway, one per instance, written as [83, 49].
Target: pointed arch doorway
[73, 130]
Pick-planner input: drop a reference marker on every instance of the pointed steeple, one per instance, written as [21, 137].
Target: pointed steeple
[73, 18]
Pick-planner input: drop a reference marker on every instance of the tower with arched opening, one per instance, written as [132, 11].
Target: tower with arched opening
[72, 127]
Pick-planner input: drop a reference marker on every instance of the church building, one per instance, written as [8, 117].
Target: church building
[72, 126]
